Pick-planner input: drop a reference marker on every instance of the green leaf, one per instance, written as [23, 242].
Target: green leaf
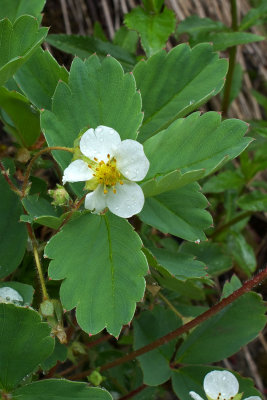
[60, 389]
[215, 141]
[214, 255]
[153, 5]
[25, 291]
[40, 91]
[195, 25]
[254, 16]
[99, 32]
[97, 94]
[126, 39]
[261, 99]
[25, 342]
[12, 9]
[179, 212]
[24, 118]
[230, 286]
[91, 247]
[223, 40]
[84, 46]
[41, 212]
[174, 84]
[181, 266]
[13, 234]
[59, 354]
[154, 29]
[14, 51]
[242, 252]
[223, 181]
[254, 201]
[149, 326]
[170, 181]
[189, 288]
[225, 333]
[191, 378]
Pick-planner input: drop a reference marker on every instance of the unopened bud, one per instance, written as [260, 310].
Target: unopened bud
[23, 155]
[47, 308]
[95, 378]
[60, 196]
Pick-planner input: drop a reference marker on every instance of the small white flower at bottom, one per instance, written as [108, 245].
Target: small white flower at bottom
[220, 385]
[111, 167]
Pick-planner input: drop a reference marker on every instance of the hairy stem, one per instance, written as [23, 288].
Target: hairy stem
[37, 261]
[232, 57]
[9, 181]
[28, 170]
[247, 286]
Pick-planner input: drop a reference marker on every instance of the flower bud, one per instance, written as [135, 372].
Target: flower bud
[95, 378]
[47, 308]
[60, 196]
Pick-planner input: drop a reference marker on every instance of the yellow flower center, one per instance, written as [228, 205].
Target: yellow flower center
[107, 174]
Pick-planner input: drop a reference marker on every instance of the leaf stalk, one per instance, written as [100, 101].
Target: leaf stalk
[28, 170]
[232, 57]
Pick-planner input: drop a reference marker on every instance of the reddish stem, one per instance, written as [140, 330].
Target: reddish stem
[84, 359]
[247, 286]
[134, 392]
[98, 341]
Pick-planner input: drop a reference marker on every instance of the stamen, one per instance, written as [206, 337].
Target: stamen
[114, 191]
[108, 156]
[89, 166]
[121, 182]
[96, 159]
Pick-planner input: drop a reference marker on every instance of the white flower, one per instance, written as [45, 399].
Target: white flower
[110, 167]
[221, 385]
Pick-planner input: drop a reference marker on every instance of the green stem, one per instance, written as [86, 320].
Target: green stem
[170, 305]
[247, 286]
[37, 262]
[230, 223]
[232, 57]
[28, 170]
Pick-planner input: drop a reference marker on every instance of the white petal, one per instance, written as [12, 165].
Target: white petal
[253, 398]
[77, 171]
[220, 382]
[99, 142]
[127, 201]
[131, 160]
[10, 294]
[96, 200]
[195, 396]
